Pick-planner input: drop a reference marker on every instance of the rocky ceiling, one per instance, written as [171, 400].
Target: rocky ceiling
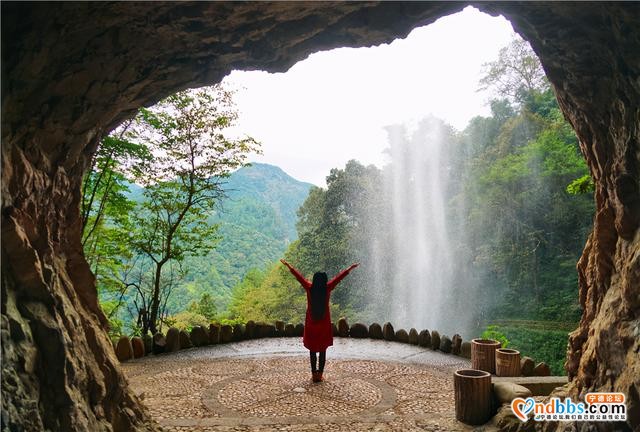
[72, 71]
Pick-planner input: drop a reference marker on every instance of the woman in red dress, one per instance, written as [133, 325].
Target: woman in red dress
[318, 334]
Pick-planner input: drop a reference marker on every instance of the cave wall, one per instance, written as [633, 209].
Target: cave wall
[591, 55]
[72, 71]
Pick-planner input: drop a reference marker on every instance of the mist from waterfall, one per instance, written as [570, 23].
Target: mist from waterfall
[412, 279]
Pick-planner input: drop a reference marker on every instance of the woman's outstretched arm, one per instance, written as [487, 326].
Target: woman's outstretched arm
[336, 280]
[305, 283]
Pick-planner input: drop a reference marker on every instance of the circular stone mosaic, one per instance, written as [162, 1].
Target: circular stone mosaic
[365, 367]
[276, 393]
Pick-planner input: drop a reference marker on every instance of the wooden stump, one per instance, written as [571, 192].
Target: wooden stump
[472, 389]
[507, 362]
[483, 354]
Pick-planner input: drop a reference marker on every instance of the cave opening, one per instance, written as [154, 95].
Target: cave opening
[61, 93]
[346, 113]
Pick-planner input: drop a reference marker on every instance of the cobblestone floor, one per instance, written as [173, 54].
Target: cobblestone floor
[265, 386]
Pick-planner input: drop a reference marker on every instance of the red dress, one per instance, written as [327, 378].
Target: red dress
[318, 335]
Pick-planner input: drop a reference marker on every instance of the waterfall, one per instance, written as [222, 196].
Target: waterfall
[415, 281]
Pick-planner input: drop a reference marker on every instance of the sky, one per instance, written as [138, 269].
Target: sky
[334, 105]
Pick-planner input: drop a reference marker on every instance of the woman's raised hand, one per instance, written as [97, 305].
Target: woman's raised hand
[354, 265]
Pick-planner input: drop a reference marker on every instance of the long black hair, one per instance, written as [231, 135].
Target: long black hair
[318, 295]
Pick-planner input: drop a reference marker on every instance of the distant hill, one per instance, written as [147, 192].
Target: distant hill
[269, 185]
[257, 223]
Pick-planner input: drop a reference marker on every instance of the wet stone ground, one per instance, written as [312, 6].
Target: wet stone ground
[265, 385]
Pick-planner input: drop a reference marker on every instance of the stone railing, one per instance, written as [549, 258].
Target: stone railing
[128, 348]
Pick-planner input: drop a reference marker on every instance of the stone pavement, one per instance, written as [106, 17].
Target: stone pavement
[264, 385]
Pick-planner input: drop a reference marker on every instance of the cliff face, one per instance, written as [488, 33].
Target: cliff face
[72, 71]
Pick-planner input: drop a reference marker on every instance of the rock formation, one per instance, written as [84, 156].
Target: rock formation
[435, 339]
[413, 337]
[343, 327]
[172, 340]
[375, 331]
[226, 333]
[289, 330]
[159, 344]
[424, 338]
[527, 366]
[388, 332]
[214, 334]
[199, 336]
[239, 331]
[359, 330]
[456, 342]
[185, 340]
[402, 336]
[124, 349]
[445, 344]
[71, 72]
[138, 347]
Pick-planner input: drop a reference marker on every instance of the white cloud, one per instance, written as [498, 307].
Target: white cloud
[333, 106]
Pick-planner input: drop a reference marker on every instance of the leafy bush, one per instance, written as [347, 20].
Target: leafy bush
[540, 340]
[116, 326]
[581, 185]
[491, 332]
[187, 320]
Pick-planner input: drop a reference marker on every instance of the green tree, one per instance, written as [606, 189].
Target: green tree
[248, 301]
[187, 320]
[105, 210]
[273, 294]
[526, 232]
[192, 159]
[517, 73]
[333, 227]
[205, 307]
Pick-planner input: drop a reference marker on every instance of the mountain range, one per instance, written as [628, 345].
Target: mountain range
[257, 221]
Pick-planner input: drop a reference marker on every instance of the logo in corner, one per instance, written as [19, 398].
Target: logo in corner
[596, 407]
[522, 407]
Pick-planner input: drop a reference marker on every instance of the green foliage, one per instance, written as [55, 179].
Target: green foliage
[178, 150]
[206, 307]
[491, 332]
[275, 295]
[186, 320]
[192, 158]
[110, 309]
[518, 231]
[256, 224]
[106, 223]
[525, 231]
[581, 185]
[247, 298]
[268, 296]
[516, 74]
[542, 341]
[333, 228]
